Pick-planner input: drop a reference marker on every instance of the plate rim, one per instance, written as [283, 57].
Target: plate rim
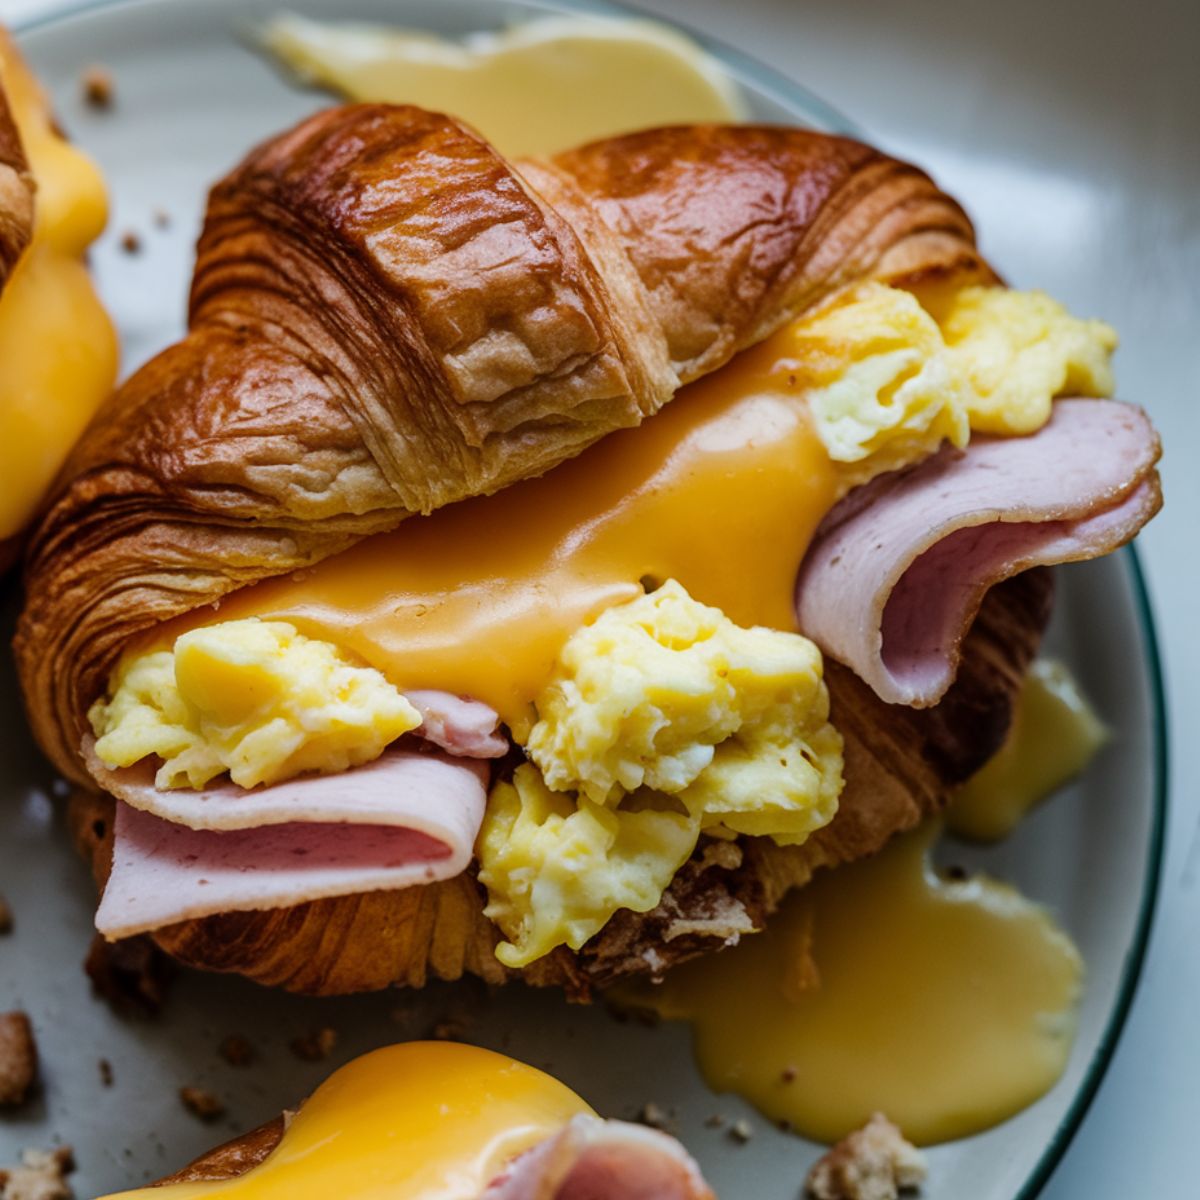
[794, 95]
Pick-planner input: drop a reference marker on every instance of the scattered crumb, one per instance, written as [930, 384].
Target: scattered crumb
[715, 1121]
[741, 1131]
[6, 917]
[130, 242]
[133, 975]
[448, 1029]
[161, 218]
[201, 1103]
[653, 1115]
[872, 1163]
[98, 88]
[237, 1050]
[316, 1045]
[42, 1175]
[788, 1075]
[18, 1059]
[106, 1072]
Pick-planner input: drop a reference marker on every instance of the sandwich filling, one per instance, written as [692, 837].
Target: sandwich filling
[629, 616]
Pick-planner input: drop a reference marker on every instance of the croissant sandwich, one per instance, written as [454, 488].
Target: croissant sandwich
[58, 351]
[414, 1119]
[393, 623]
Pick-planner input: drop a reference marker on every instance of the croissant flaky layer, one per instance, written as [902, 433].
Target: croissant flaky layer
[16, 191]
[902, 764]
[386, 316]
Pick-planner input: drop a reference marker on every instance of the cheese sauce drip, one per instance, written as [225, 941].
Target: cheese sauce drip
[543, 86]
[419, 1121]
[58, 350]
[722, 491]
[885, 987]
[1055, 734]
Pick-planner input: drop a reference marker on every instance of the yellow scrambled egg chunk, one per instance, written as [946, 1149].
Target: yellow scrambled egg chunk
[890, 374]
[1017, 351]
[254, 698]
[557, 868]
[877, 379]
[662, 719]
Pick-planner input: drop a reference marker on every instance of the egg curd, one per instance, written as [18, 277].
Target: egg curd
[254, 698]
[649, 719]
[666, 719]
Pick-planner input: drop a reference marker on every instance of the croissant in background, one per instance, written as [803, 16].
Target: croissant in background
[58, 350]
[387, 318]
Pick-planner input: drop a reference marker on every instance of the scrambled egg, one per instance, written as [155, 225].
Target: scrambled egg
[557, 868]
[890, 374]
[1017, 351]
[663, 718]
[254, 698]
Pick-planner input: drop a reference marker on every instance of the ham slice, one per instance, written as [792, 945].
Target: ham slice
[467, 728]
[429, 793]
[592, 1159]
[897, 571]
[404, 819]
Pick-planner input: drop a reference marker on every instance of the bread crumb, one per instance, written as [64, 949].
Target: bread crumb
[41, 1176]
[741, 1131]
[201, 1103]
[315, 1046]
[18, 1059]
[788, 1075]
[6, 917]
[106, 1072]
[98, 88]
[161, 218]
[237, 1050]
[714, 1121]
[130, 242]
[875, 1162]
[653, 1115]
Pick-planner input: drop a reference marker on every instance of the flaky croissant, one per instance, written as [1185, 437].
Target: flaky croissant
[386, 316]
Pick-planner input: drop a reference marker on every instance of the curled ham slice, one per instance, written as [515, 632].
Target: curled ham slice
[459, 726]
[592, 1159]
[897, 571]
[404, 819]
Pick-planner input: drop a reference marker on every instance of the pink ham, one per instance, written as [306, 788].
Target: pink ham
[459, 726]
[404, 819]
[897, 571]
[593, 1159]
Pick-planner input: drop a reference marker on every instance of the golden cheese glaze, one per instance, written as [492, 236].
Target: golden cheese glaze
[418, 1121]
[543, 86]
[58, 350]
[721, 490]
[947, 1005]
[1055, 733]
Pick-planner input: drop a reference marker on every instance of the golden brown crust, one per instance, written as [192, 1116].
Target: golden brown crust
[386, 316]
[902, 764]
[232, 1158]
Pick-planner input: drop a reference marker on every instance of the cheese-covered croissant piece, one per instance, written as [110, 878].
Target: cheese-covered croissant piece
[387, 316]
[16, 193]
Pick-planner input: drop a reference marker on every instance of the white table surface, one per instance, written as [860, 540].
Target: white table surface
[1071, 132]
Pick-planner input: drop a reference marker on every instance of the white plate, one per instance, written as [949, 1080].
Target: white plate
[192, 98]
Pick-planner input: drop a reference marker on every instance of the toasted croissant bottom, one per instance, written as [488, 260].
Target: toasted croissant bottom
[902, 764]
[386, 316]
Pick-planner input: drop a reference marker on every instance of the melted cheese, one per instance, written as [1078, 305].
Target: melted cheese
[58, 350]
[884, 987]
[1054, 736]
[543, 86]
[722, 490]
[419, 1121]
